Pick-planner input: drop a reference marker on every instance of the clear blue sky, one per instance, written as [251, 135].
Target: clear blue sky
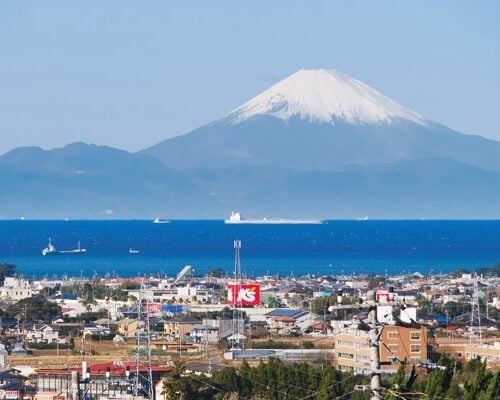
[131, 73]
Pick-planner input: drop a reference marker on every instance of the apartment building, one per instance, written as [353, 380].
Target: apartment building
[397, 343]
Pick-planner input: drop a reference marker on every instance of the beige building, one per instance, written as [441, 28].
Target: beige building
[463, 350]
[180, 326]
[397, 343]
[128, 327]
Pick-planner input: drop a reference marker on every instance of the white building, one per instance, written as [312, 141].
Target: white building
[16, 289]
[42, 333]
[204, 334]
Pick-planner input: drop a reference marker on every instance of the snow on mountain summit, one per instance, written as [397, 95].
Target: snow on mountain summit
[324, 96]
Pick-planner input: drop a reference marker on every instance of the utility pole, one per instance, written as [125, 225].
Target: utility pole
[374, 347]
[237, 302]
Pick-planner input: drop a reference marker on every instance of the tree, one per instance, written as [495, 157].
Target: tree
[477, 387]
[5, 271]
[439, 380]
[273, 302]
[35, 307]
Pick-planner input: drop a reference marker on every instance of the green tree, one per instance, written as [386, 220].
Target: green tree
[227, 379]
[273, 302]
[34, 308]
[492, 392]
[439, 380]
[476, 388]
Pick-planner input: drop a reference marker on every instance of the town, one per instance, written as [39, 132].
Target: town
[102, 338]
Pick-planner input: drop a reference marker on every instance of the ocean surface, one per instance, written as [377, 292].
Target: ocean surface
[373, 246]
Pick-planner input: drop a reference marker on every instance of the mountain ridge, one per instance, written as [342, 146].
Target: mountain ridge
[280, 161]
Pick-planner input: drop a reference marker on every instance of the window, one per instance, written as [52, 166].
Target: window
[392, 335]
[415, 348]
[393, 348]
[415, 335]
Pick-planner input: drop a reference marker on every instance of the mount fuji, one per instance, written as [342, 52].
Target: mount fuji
[321, 120]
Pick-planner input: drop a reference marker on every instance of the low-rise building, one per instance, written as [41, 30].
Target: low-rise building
[128, 327]
[463, 349]
[15, 289]
[288, 321]
[204, 334]
[180, 326]
[110, 380]
[44, 333]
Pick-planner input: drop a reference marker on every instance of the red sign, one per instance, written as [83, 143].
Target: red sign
[243, 295]
[153, 308]
[383, 296]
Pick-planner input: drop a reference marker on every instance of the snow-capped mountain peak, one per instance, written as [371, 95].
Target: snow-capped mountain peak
[324, 96]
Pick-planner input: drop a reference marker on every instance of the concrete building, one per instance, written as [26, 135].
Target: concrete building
[177, 294]
[463, 350]
[15, 289]
[397, 343]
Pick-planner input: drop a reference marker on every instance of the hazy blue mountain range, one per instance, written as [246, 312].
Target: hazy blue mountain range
[318, 144]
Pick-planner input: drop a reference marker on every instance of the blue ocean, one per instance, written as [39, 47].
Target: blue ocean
[373, 246]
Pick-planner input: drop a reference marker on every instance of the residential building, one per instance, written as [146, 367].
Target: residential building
[204, 334]
[128, 327]
[180, 326]
[43, 333]
[15, 289]
[288, 321]
[14, 386]
[397, 343]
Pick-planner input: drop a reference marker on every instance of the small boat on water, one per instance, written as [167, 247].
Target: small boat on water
[78, 250]
[157, 220]
[50, 250]
[133, 251]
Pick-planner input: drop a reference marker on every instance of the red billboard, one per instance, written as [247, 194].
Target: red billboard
[153, 308]
[244, 294]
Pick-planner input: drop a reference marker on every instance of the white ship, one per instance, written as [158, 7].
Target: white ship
[133, 251]
[78, 250]
[50, 250]
[157, 220]
[235, 218]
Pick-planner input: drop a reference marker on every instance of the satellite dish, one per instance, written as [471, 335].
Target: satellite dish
[331, 308]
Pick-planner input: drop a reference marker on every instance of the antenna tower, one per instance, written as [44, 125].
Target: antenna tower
[237, 301]
[475, 315]
[144, 385]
